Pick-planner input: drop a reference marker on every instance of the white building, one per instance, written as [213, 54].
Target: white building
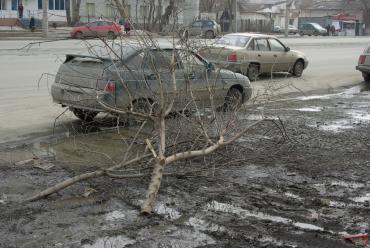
[9, 9]
[90, 10]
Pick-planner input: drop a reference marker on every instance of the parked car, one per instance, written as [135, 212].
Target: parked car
[253, 54]
[131, 81]
[364, 64]
[206, 28]
[291, 29]
[312, 29]
[99, 28]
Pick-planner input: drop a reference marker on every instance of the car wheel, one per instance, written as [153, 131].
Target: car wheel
[366, 76]
[111, 35]
[253, 72]
[233, 100]
[298, 68]
[84, 115]
[301, 33]
[79, 35]
[144, 106]
[210, 34]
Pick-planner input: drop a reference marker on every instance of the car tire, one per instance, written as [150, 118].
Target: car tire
[144, 106]
[253, 72]
[233, 100]
[366, 76]
[79, 35]
[111, 35]
[210, 34]
[298, 68]
[301, 33]
[84, 115]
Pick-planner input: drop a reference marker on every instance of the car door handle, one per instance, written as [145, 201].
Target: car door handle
[275, 55]
[150, 76]
[191, 75]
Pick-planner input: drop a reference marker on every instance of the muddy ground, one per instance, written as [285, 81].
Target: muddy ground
[307, 189]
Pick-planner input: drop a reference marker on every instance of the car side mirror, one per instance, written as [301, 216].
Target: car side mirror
[210, 66]
[287, 49]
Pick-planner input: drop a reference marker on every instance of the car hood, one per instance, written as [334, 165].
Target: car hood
[298, 53]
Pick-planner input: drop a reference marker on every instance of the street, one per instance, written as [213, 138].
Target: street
[26, 107]
[300, 178]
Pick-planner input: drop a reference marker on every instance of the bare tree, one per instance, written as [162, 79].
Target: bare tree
[177, 120]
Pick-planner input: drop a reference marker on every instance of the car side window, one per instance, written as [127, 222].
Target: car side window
[92, 24]
[191, 61]
[262, 45]
[197, 24]
[158, 61]
[276, 45]
[251, 45]
[207, 24]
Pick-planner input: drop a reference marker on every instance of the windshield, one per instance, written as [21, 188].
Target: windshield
[317, 25]
[233, 40]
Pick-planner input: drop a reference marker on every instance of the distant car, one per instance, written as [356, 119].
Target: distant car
[206, 28]
[83, 78]
[291, 29]
[364, 64]
[99, 28]
[253, 54]
[312, 29]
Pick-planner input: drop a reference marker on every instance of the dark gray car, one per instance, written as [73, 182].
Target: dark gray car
[92, 84]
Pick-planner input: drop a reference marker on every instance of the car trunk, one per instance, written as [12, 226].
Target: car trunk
[80, 71]
[218, 54]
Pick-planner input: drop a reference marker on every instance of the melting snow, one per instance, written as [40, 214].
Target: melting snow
[117, 241]
[361, 198]
[243, 213]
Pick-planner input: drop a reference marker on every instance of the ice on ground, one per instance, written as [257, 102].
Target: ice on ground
[310, 109]
[117, 241]
[243, 213]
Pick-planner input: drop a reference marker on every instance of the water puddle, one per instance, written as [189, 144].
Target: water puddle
[117, 241]
[310, 109]
[243, 213]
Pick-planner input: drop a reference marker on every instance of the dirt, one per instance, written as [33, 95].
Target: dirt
[306, 188]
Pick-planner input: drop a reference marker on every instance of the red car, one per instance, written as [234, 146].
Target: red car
[99, 28]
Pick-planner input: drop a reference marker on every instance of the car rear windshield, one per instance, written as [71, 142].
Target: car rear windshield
[233, 40]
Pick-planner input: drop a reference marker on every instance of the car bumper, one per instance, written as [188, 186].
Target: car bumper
[363, 68]
[75, 97]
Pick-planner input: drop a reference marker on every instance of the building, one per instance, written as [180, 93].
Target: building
[9, 9]
[137, 10]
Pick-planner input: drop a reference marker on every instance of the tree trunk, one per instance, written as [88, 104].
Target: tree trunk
[68, 12]
[121, 8]
[153, 188]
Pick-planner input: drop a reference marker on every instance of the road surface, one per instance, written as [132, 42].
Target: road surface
[26, 107]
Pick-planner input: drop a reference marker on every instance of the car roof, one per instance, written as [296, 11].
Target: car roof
[252, 35]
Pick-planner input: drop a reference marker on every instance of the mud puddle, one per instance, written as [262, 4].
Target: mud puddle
[305, 189]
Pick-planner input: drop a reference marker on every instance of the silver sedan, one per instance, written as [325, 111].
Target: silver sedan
[138, 78]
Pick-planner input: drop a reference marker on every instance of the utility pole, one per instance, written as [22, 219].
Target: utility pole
[288, 3]
[45, 18]
[236, 15]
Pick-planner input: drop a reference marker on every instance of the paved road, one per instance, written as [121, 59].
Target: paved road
[26, 107]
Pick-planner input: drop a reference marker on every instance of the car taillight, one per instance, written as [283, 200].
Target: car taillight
[232, 57]
[109, 87]
[361, 59]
